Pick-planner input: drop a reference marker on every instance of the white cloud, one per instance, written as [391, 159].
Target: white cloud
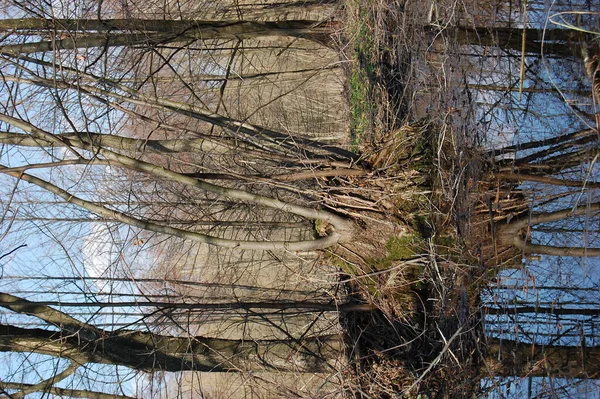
[100, 254]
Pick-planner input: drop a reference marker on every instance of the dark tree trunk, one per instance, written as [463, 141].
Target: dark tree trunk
[541, 310]
[84, 343]
[563, 42]
[149, 352]
[512, 358]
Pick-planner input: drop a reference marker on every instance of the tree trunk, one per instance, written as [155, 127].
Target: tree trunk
[552, 143]
[563, 42]
[545, 179]
[84, 343]
[512, 358]
[85, 33]
[63, 392]
[342, 228]
[519, 309]
[146, 351]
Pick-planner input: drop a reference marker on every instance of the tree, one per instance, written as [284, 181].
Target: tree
[86, 33]
[146, 351]
[535, 119]
[65, 337]
[507, 358]
[103, 121]
[532, 40]
[98, 144]
[513, 232]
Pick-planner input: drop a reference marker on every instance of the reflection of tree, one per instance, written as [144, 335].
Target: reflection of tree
[506, 358]
[553, 163]
[513, 232]
[539, 201]
[562, 42]
[515, 309]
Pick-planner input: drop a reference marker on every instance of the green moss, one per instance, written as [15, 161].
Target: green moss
[363, 70]
[320, 226]
[378, 264]
[360, 105]
[402, 247]
[344, 266]
[445, 240]
[398, 248]
[353, 271]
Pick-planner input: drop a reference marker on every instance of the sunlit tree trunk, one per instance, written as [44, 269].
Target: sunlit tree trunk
[146, 351]
[85, 33]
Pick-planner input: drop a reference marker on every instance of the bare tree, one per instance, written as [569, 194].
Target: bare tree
[144, 32]
[515, 233]
[127, 125]
[81, 343]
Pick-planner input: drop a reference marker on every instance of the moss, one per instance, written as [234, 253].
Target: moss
[398, 248]
[353, 271]
[446, 244]
[416, 275]
[360, 105]
[378, 264]
[403, 247]
[348, 268]
[321, 228]
[363, 71]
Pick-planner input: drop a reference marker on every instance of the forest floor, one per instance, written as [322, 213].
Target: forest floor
[411, 120]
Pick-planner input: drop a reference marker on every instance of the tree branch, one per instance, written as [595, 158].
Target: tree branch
[46, 385]
[71, 393]
[510, 234]
[56, 318]
[341, 226]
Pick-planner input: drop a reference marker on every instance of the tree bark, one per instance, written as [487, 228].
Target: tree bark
[86, 33]
[83, 343]
[343, 227]
[512, 358]
[564, 42]
[147, 351]
[120, 143]
[63, 392]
